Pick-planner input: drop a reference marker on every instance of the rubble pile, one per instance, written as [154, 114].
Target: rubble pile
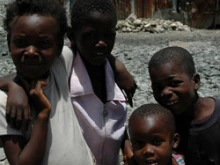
[134, 24]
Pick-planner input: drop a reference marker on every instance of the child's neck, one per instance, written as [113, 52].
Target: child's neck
[97, 77]
[24, 81]
[203, 109]
[200, 110]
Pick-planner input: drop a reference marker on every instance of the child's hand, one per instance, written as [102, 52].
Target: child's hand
[17, 107]
[123, 78]
[38, 98]
[125, 81]
[128, 85]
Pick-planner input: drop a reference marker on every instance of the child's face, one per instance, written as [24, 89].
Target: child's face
[33, 44]
[173, 88]
[95, 37]
[152, 143]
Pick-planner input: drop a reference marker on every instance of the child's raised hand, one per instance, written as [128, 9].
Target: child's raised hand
[17, 108]
[38, 98]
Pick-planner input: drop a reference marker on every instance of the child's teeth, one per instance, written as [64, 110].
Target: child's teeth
[171, 103]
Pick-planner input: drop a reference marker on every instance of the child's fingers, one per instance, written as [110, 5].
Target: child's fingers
[19, 115]
[27, 118]
[38, 88]
[12, 117]
[8, 117]
[129, 97]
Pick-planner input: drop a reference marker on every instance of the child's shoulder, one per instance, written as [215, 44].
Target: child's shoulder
[208, 114]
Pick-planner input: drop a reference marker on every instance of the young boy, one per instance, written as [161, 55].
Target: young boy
[97, 100]
[35, 39]
[175, 84]
[153, 137]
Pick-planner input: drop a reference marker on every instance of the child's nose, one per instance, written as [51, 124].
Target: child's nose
[101, 43]
[148, 151]
[31, 51]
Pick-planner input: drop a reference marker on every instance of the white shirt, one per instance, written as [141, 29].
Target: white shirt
[103, 125]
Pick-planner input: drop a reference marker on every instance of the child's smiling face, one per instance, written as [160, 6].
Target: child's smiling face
[33, 44]
[173, 87]
[152, 141]
[95, 37]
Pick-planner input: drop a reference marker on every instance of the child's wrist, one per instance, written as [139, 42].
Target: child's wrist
[45, 114]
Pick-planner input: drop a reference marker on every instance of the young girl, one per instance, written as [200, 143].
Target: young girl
[175, 84]
[35, 39]
[153, 136]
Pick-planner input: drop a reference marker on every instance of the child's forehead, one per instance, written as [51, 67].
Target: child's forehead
[171, 65]
[152, 119]
[34, 25]
[32, 18]
[99, 16]
[149, 125]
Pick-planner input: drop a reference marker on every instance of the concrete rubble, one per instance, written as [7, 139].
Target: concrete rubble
[151, 25]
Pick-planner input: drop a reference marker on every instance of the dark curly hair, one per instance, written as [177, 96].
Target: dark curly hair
[41, 7]
[81, 8]
[155, 110]
[173, 54]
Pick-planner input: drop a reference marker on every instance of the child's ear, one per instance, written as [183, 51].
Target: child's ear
[196, 80]
[176, 140]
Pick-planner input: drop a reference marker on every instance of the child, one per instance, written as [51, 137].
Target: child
[175, 84]
[35, 39]
[152, 134]
[98, 102]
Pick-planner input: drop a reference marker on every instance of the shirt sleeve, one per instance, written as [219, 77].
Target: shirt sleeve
[5, 129]
[68, 56]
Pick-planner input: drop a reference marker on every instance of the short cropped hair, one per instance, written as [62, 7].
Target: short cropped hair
[81, 8]
[155, 110]
[40, 7]
[174, 54]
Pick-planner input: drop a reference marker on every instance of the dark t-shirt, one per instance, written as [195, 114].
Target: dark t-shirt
[204, 140]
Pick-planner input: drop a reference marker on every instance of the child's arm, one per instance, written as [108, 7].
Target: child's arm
[6, 80]
[31, 153]
[123, 78]
[17, 109]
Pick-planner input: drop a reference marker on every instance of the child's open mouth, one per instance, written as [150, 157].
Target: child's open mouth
[172, 103]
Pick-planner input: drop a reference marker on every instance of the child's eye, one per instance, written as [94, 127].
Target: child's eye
[110, 36]
[45, 44]
[157, 141]
[20, 43]
[137, 144]
[90, 35]
[175, 83]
